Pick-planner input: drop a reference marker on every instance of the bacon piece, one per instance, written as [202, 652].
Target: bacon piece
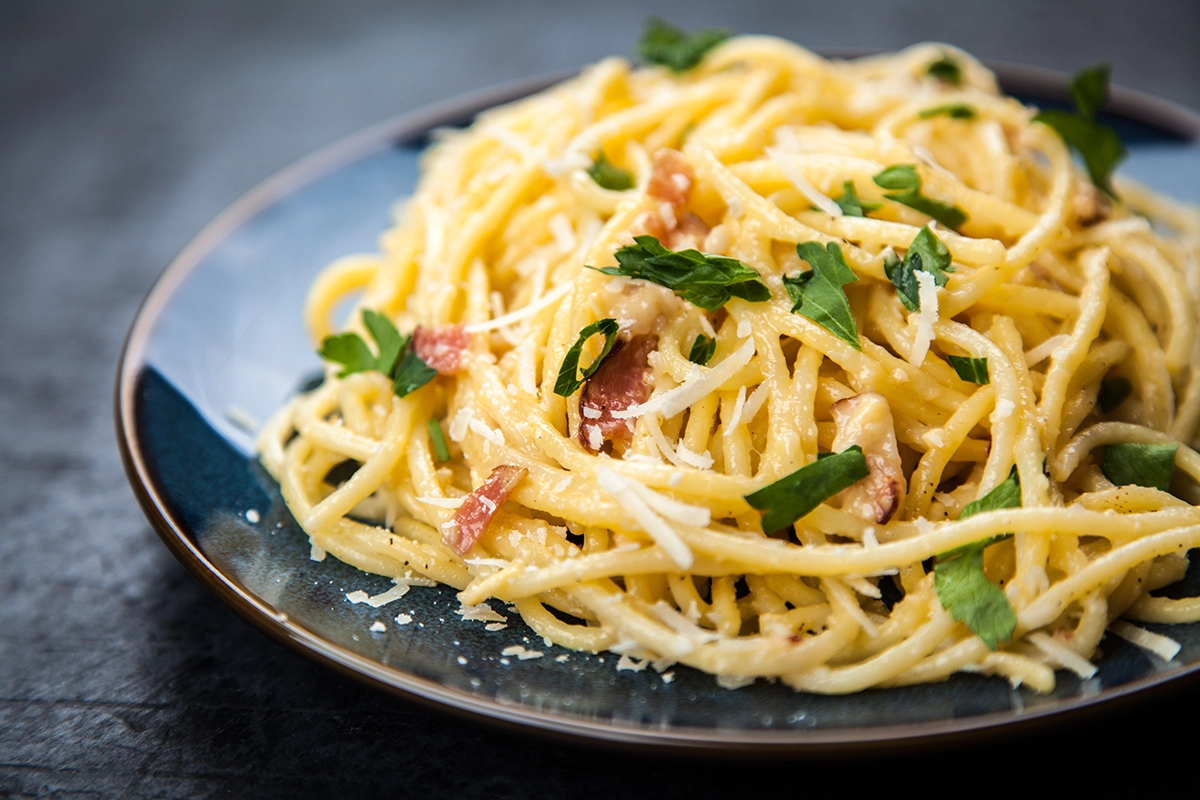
[689, 234]
[671, 178]
[477, 509]
[866, 420]
[621, 381]
[441, 348]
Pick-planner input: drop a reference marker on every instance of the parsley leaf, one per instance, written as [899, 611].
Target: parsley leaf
[1113, 392]
[906, 183]
[569, 379]
[971, 369]
[792, 497]
[945, 69]
[926, 253]
[438, 439]
[411, 374]
[1099, 145]
[964, 591]
[1150, 465]
[349, 350]
[959, 580]
[952, 110]
[818, 293]
[702, 279]
[850, 204]
[1007, 494]
[608, 176]
[408, 373]
[674, 48]
[702, 349]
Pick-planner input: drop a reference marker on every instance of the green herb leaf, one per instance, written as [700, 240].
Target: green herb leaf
[674, 48]
[438, 439]
[1150, 465]
[850, 204]
[958, 577]
[1007, 494]
[569, 379]
[608, 176]
[702, 279]
[349, 350]
[945, 69]
[1089, 89]
[390, 342]
[964, 591]
[790, 498]
[1112, 393]
[952, 110]
[411, 374]
[970, 369]
[903, 178]
[702, 350]
[408, 373]
[1099, 145]
[818, 293]
[927, 253]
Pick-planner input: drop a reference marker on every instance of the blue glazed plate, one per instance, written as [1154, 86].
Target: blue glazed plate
[219, 338]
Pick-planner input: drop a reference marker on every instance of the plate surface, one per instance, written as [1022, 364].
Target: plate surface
[219, 338]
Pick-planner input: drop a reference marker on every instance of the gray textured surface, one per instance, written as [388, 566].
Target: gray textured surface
[123, 129]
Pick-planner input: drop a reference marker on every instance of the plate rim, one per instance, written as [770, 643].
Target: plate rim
[1014, 78]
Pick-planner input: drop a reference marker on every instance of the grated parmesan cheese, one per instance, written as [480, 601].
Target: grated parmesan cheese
[458, 426]
[493, 435]
[1060, 655]
[926, 316]
[403, 619]
[738, 405]
[521, 653]
[316, 553]
[480, 613]
[651, 523]
[1164, 647]
[495, 626]
[377, 627]
[252, 516]
[697, 385]
[631, 664]
[791, 170]
[528, 310]
[563, 232]
[1004, 409]
[744, 329]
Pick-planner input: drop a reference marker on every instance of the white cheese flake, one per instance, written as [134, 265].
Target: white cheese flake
[495, 626]
[521, 653]
[315, 552]
[526, 311]
[697, 385]
[650, 522]
[733, 682]
[744, 329]
[926, 316]
[493, 435]
[631, 664]
[1004, 409]
[1060, 655]
[252, 516]
[403, 619]
[1164, 647]
[791, 170]
[377, 627]
[479, 613]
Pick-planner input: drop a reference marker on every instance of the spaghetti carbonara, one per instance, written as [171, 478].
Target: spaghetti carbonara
[845, 373]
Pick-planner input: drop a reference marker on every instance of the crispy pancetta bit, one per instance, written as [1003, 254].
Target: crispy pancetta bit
[478, 508]
[866, 420]
[622, 381]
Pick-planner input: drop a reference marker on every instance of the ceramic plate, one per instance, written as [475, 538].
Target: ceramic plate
[219, 340]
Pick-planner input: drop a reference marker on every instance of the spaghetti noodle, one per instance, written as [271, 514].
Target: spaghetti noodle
[873, 299]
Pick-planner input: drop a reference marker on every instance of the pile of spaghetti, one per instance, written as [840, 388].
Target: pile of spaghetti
[847, 374]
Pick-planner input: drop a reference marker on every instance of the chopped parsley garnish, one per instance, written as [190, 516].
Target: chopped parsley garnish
[906, 185]
[674, 48]
[438, 439]
[927, 253]
[569, 378]
[1098, 145]
[702, 279]
[952, 110]
[958, 577]
[1150, 465]
[971, 369]
[394, 357]
[818, 293]
[945, 69]
[850, 204]
[702, 349]
[608, 176]
[1112, 393]
[792, 497]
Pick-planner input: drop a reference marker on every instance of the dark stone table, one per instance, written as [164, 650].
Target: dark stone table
[124, 127]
